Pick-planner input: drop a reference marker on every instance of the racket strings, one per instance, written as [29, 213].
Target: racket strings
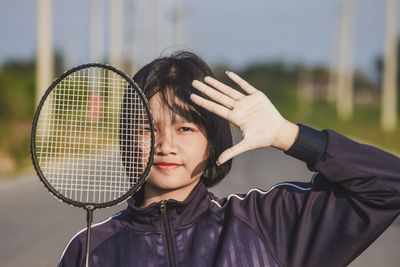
[91, 138]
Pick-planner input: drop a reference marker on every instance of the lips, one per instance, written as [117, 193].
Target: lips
[166, 165]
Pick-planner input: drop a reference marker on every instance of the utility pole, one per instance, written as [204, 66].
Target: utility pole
[96, 31]
[134, 36]
[116, 32]
[305, 91]
[152, 22]
[95, 97]
[389, 86]
[116, 46]
[178, 23]
[344, 84]
[44, 57]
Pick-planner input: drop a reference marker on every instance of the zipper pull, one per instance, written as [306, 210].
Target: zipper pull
[163, 206]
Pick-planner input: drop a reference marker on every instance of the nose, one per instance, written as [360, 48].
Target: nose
[165, 143]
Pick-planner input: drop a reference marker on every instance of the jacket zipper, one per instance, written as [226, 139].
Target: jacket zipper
[167, 232]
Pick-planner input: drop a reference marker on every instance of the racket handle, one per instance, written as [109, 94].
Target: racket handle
[89, 219]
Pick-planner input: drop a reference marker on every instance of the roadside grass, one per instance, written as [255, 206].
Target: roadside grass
[363, 127]
[14, 146]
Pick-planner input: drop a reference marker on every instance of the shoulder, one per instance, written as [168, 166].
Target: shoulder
[257, 194]
[99, 233]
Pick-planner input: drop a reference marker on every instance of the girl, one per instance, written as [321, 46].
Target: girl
[174, 221]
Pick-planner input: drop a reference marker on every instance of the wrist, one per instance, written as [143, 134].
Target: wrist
[286, 136]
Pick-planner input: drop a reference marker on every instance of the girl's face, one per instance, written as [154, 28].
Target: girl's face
[180, 150]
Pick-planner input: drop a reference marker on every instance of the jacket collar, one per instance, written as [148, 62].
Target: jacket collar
[180, 212]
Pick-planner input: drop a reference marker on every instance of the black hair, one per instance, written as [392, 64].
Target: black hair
[172, 77]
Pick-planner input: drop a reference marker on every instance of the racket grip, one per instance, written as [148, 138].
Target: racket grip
[89, 219]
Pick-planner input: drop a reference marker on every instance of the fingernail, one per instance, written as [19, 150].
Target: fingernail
[218, 163]
[227, 72]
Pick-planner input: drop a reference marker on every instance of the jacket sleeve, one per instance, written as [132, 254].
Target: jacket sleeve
[353, 197]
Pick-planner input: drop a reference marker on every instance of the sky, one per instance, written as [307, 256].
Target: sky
[234, 32]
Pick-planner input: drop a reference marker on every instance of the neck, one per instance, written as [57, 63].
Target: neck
[153, 194]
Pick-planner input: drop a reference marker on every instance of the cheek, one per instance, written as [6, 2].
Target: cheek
[197, 149]
[142, 148]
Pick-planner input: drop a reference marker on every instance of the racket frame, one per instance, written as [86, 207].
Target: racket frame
[35, 161]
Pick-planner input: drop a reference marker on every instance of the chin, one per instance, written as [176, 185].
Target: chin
[170, 184]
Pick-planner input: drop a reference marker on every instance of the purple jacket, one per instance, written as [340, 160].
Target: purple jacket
[353, 197]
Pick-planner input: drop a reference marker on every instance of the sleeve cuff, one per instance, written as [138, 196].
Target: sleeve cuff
[309, 146]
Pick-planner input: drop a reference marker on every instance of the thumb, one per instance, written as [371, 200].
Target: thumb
[237, 149]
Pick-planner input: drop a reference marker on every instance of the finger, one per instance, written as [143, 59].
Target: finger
[233, 151]
[214, 94]
[248, 88]
[211, 106]
[223, 88]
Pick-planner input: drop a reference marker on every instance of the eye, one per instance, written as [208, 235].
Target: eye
[185, 129]
[147, 130]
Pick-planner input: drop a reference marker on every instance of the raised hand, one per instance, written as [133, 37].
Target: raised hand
[259, 121]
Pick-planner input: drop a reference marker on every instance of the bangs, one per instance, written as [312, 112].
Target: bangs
[174, 85]
[180, 104]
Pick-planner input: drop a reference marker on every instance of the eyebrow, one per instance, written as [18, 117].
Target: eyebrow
[178, 118]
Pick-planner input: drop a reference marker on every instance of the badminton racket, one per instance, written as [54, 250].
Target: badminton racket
[92, 139]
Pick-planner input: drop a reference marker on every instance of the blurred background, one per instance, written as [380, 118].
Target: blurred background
[329, 64]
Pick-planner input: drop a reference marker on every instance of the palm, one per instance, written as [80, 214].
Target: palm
[246, 115]
[255, 115]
